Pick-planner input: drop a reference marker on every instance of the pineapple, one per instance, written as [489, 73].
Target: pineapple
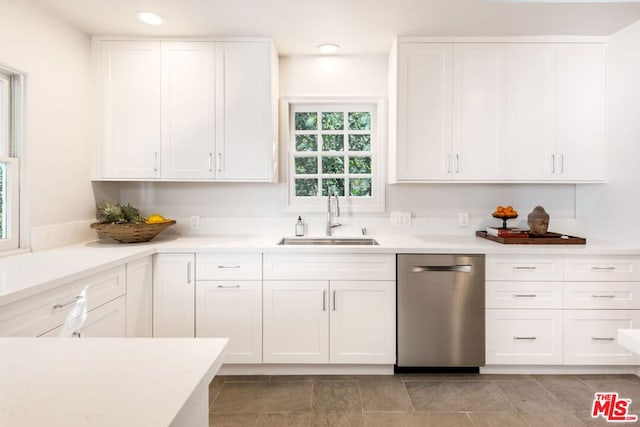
[131, 214]
[118, 214]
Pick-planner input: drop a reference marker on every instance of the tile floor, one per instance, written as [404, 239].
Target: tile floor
[415, 400]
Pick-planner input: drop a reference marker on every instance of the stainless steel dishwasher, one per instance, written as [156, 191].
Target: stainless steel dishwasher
[440, 311]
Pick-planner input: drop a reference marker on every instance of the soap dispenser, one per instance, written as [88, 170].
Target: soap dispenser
[300, 227]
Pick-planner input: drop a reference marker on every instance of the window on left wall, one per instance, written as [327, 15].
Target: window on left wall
[10, 118]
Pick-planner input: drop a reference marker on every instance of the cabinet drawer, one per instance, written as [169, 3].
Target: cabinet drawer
[36, 315]
[602, 295]
[613, 268]
[590, 337]
[229, 266]
[524, 337]
[516, 267]
[330, 266]
[506, 294]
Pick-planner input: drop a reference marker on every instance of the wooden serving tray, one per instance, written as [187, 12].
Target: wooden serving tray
[547, 239]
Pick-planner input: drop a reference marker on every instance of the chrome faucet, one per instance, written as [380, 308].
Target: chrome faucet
[330, 213]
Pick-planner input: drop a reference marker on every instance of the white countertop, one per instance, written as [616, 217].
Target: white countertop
[103, 381]
[27, 274]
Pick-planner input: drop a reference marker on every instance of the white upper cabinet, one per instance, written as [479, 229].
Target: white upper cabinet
[580, 112]
[497, 111]
[189, 110]
[530, 116]
[130, 101]
[244, 107]
[479, 107]
[423, 146]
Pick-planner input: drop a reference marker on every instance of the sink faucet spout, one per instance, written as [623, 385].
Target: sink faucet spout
[330, 213]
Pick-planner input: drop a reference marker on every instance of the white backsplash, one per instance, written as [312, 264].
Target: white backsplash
[52, 236]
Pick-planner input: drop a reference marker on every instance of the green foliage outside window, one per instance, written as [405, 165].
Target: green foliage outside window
[332, 121]
[359, 121]
[359, 164]
[306, 187]
[360, 142]
[360, 187]
[306, 143]
[306, 165]
[332, 142]
[334, 165]
[332, 186]
[306, 121]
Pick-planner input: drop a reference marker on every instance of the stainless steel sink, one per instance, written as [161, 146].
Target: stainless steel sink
[328, 241]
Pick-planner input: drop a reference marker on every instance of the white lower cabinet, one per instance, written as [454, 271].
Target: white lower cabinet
[590, 337]
[232, 309]
[296, 322]
[106, 321]
[173, 295]
[139, 299]
[329, 322]
[523, 337]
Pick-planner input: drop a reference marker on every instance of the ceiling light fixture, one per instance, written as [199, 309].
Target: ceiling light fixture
[150, 18]
[328, 48]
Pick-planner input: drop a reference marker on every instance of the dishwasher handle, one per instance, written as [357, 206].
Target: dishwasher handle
[464, 268]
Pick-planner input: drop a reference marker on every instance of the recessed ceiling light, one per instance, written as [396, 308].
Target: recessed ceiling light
[327, 48]
[150, 18]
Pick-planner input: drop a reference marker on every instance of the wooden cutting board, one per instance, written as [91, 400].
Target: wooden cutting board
[547, 239]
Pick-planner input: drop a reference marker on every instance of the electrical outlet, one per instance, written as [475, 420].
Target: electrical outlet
[401, 218]
[194, 222]
[463, 219]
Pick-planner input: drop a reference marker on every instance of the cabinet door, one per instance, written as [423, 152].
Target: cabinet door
[188, 110]
[232, 309]
[524, 337]
[423, 146]
[244, 107]
[130, 109]
[479, 111]
[362, 322]
[139, 298]
[108, 320]
[580, 111]
[296, 322]
[173, 295]
[590, 337]
[530, 117]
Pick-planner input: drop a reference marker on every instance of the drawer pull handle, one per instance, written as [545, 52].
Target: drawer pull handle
[189, 272]
[324, 300]
[609, 268]
[59, 306]
[525, 338]
[466, 268]
[228, 266]
[525, 295]
[524, 267]
[228, 286]
[603, 338]
[602, 296]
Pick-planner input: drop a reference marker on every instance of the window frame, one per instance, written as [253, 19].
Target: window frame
[11, 114]
[377, 106]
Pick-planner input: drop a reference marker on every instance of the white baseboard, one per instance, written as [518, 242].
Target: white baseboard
[237, 369]
[558, 370]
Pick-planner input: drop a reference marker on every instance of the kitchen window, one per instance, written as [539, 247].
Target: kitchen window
[10, 101]
[334, 148]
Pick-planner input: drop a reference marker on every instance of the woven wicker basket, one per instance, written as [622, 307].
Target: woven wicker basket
[131, 233]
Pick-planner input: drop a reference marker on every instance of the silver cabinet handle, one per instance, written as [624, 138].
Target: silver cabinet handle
[189, 272]
[602, 296]
[457, 163]
[448, 163]
[603, 338]
[608, 268]
[219, 162]
[324, 300]
[228, 286]
[455, 268]
[553, 163]
[525, 338]
[210, 162]
[155, 161]
[228, 266]
[561, 163]
[65, 304]
[334, 300]
[525, 295]
[524, 267]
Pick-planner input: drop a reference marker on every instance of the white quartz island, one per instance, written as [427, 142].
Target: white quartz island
[107, 381]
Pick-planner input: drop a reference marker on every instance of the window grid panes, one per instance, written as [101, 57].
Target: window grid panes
[332, 152]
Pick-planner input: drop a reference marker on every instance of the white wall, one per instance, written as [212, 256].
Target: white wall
[611, 211]
[350, 76]
[55, 59]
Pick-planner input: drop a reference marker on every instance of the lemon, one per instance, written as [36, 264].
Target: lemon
[155, 219]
